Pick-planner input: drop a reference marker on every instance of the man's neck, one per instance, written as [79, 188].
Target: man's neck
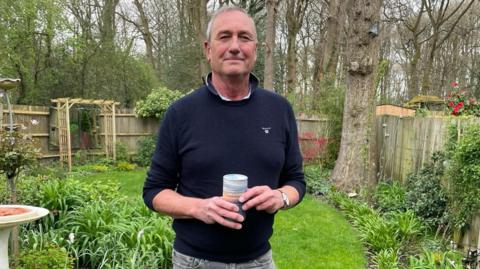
[233, 88]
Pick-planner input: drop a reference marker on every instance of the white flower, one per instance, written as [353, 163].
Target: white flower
[34, 122]
[1, 94]
[140, 234]
[71, 238]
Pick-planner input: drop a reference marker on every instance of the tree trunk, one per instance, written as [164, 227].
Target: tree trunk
[327, 51]
[294, 18]
[269, 70]
[354, 163]
[146, 33]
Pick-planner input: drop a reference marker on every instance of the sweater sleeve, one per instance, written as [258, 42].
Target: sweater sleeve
[164, 167]
[292, 173]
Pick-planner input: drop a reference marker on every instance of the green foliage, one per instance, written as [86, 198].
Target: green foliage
[157, 103]
[86, 122]
[95, 224]
[426, 196]
[390, 196]
[460, 102]
[51, 256]
[436, 259]
[121, 152]
[317, 179]
[327, 102]
[80, 157]
[388, 236]
[463, 176]
[126, 166]
[16, 152]
[386, 259]
[146, 148]
[407, 225]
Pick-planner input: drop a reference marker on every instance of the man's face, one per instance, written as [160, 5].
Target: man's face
[231, 50]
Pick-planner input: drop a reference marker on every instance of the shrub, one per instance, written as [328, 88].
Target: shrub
[426, 196]
[121, 152]
[390, 196]
[146, 148]
[51, 256]
[126, 166]
[80, 157]
[157, 103]
[316, 178]
[463, 176]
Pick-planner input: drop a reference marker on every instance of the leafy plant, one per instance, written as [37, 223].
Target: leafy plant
[390, 196]
[51, 256]
[386, 259]
[121, 152]
[146, 148]
[317, 179]
[426, 196]
[126, 166]
[460, 102]
[463, 176]
[157, 103]
[17, 151]
[436, 259]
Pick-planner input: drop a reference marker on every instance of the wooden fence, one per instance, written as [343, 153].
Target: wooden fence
[405, 144]
[130, 129]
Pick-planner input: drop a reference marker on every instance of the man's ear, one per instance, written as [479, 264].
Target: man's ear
[206, 50]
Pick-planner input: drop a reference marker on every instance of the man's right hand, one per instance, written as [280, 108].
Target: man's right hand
[217, 210]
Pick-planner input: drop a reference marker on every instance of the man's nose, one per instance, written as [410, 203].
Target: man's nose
[234, 46]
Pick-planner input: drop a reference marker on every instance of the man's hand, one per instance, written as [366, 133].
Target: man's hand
[262, 198]
[217, 210]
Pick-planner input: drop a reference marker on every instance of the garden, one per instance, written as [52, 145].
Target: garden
[98, 219]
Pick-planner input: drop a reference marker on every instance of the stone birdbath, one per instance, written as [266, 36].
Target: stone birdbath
[13, 215]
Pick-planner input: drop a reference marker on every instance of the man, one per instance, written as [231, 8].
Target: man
[227, 126]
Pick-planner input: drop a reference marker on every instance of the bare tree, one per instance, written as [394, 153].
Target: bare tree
[443, 20]
[354, 165]
[294, 18]
[327, 52]
[269, 71]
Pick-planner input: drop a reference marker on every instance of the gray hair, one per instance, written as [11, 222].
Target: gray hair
[223, 10]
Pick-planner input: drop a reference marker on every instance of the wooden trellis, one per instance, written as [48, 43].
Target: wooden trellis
[63, 125]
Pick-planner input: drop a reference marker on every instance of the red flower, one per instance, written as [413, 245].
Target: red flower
[457, 108]
[450, 104]
[454, 84]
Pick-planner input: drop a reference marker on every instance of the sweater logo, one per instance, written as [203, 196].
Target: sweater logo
[266, 129]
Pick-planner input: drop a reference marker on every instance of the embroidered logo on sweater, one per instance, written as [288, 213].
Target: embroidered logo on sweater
[266, 129]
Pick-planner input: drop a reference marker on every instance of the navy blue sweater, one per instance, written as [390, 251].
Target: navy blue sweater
[202, 138]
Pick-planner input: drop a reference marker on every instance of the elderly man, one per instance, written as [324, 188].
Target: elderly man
[229, 125]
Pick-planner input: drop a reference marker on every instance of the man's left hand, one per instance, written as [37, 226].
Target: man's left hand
[262, 198]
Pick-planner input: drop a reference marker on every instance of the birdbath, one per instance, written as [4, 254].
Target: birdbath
[13, 215]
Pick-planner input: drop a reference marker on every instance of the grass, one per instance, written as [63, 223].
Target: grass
[311, 235]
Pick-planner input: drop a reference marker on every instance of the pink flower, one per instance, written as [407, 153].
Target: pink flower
[450, 104]
[454, 84]
[472, 101]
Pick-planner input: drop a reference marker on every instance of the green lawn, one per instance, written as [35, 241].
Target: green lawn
[312, 235]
